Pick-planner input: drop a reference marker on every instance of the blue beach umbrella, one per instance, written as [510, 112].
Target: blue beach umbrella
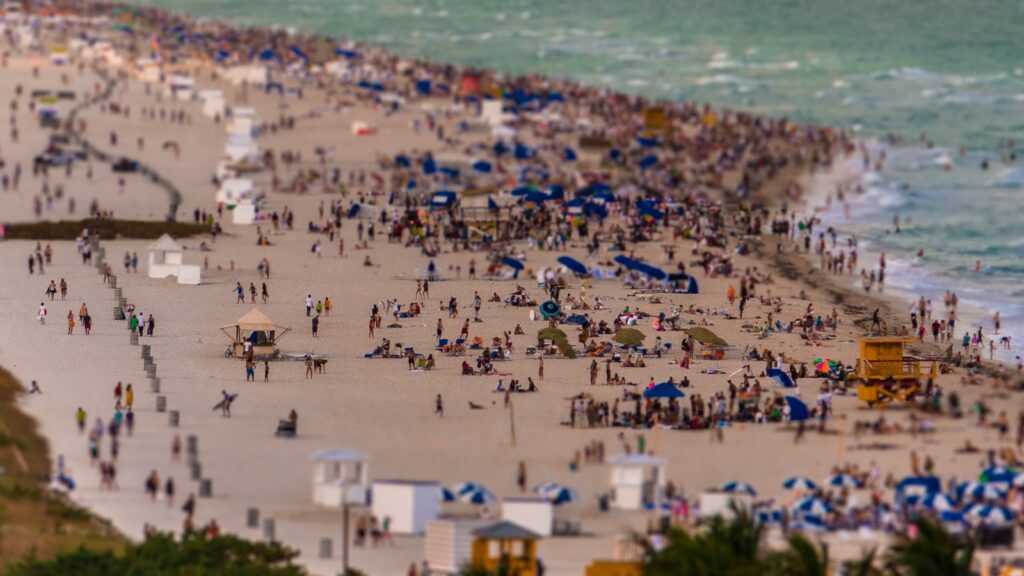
[402, 160]
[445, 495]
[801, 483]
[990, 514]
[781, 377]
[646, 142]
[739, 487]
[812, 505]
[663, 390]
[797, 409]
[521, 191]
[300, 53]
[574, 265]
[937, 501]
[482, 166]
[466, 487]
[478, 497]
[512, 263]
[842, 480]
[568, 154]
[648, 161]
[979, 491]
[556, 192]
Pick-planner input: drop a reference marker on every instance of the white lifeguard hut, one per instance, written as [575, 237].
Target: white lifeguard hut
[638, 481]
[213, 103]
[340, 477]
[411, 504]
[166, 258]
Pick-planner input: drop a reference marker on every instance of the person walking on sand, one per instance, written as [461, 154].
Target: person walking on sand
[133, 322]
[71, 322]
[309, 366]
[264, 293]
[373, 324]
[250, 370]
[64, 290]
[252, 293]
[521, 476]
[129, 397]
[117, 396]
[439, 406]
[266, 371]
[239, 293]
[42, 313]
[309, 304]
[150, 323]
[80, 419]
[540, 368]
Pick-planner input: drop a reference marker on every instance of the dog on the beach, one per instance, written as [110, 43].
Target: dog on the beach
[319, 365]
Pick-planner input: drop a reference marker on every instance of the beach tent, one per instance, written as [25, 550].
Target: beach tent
[442, 199]
[797, 409]
[781, 377]
[641, 267]
[663, 390]
[574, 265]
[257, 329]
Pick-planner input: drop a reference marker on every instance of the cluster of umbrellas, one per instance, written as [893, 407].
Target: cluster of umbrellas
[477, 494]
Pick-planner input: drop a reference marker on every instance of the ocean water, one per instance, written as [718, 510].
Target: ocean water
[945, 75]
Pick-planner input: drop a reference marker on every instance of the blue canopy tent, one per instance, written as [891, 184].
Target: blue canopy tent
[556, 192]
[429, 166]
[663, 390]
[513, 264]
[641, 267]
[781, 377]
[442, 199]
[423, 87]
[797, 409]
[574, 265]
[568, 154]
[482, 166]
[402, 161]
[648, 161]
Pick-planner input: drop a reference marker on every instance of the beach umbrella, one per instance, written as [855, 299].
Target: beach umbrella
[568, 154]
[824, 364]
[812, 523]
[663, 390]
[402, 160]
[811, 505]
[842, 480]
[478, 497]
[551, 334]
[800, 483]
[1018, 480]
[629, 337]
[574, 265]
[558, 494]
[445, 495]
[466, 487]
[482, 166]
[739, 488]
[423, 86]
[641, 267]
[705, 336]
[521, 191]
[512, 263]
[979, 491]
[1000, 474]
[951, 517]
[522, 152]
[691, 286]
[556, 192]
[646, 142]
[990, 514]
[781, 377]
[300, 53]
[267, 54]
[449, 171]
[429, 165]
[937, 501]
[549, 309]
[535, 197]
[648, 161]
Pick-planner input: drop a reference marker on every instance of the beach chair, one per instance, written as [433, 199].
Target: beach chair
[286, 429]
[421, 363]
[531, 350]
[441, 343]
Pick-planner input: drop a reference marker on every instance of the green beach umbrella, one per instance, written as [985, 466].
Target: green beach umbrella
[629, 337]
[705, 336]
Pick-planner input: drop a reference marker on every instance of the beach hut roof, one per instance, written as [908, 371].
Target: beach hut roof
[339, 456]
[506, 530]
[255, 320]
[165, 244]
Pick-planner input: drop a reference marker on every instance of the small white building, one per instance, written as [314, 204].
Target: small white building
[243, 122]
[181, 86]
[535, 514]
[166, 259]
[240, 147]
[340, 477]
[244, 213]
[410, 504]
[213, 103]
[449, 543]
[234, 191]
[637, 480]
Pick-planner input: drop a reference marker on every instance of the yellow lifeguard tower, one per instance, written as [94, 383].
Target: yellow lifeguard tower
[885, 373]
[505, 548]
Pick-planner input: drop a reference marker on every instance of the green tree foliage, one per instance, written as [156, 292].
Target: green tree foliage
[162, 555]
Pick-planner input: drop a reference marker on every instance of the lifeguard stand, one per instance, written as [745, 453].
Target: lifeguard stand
[340, 477]
[638, 481]
[505, 548]
[885, 373]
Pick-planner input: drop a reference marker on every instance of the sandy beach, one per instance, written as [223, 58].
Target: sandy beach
[378, 406]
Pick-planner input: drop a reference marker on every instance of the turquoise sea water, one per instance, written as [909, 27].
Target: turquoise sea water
[951, 69]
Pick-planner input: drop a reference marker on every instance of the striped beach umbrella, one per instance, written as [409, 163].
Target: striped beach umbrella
[445, 495]
[979, 491]
[937, 501]
[739, 487]
[478, 497]
[466, 487]
[800, 483]
[843, 480]
[811, 505]
[990, 514]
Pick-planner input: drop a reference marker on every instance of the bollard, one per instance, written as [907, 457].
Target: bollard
[123, 302]
[269, 529]
[118, 313]
[117, 294]
[145, 351]
[161, 403]
[154, 385]
[151, 371]
[197, 470]
[173, 417]
[252, 517]
[133, 338]
[192, 445]
[112, 281]
[326, 548]
[206, 488]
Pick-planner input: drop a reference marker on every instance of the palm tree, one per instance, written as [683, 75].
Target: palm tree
[801, 558]
[725, 548]
[931, 552]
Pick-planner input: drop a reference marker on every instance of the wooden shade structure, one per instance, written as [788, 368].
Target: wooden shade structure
[259, 330]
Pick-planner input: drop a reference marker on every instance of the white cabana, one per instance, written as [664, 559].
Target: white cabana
[181, 86]
[536, 514]
[147, 70]
[637, 480]
[244, 213]
[340, 477]
[247, 74]
[243, 122]
[240, 147]
[410, 504]
[213, 103]
[234, 190]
